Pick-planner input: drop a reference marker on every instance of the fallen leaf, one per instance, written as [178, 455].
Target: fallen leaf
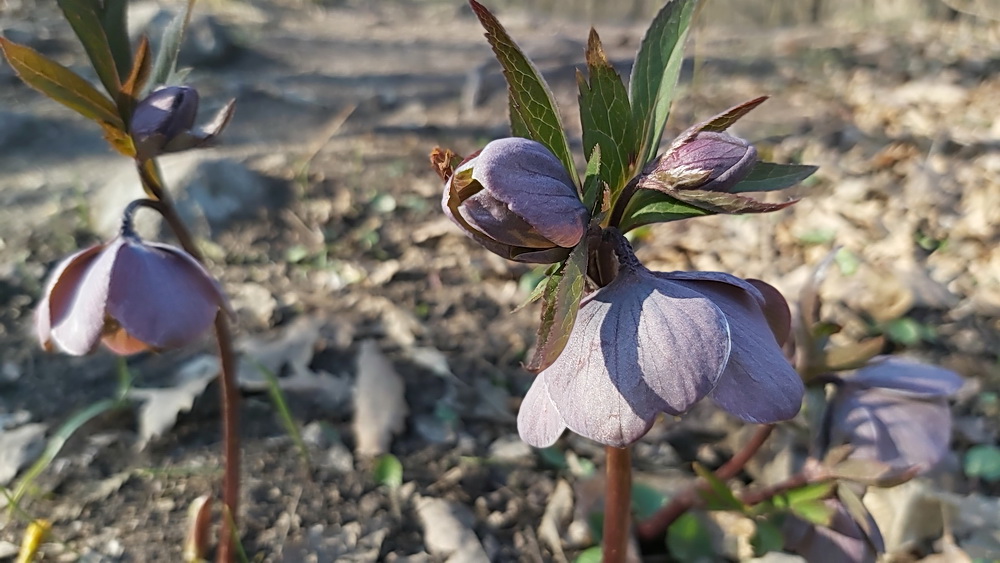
[162, 405]
[558, 513]
[448, 532]
[379, 404]
[20, 447]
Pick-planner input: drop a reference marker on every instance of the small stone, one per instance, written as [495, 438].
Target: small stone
[20, 447]
[433, 430]
[338, 458]
[510, 449]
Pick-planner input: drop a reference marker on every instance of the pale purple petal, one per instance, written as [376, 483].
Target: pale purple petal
[759, 384]
[495, 220]
[79, 330]
[160, 296]
[60, 289]
[907, 377]
[779, 316]
[538, 420]
[842, 541]
[886, 426]
[535, 185]
[640, 346]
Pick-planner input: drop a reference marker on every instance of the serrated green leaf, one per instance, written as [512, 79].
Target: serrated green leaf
[592, 181]
[114, 21]
[561, 302]
[771, 176]
[170, 47]
[718, 496]
[655, 72]
[690, 539]
[726, 119]
[983, 461]
[84, 17]
[767, 537]
[815, 511]
[60, 83]
[388, 471]
[590, 555]
[533, 112]
[716, 202]
[606, 117]
[650, 206]
[646, 501]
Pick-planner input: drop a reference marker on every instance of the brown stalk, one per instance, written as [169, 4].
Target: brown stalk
[617, 504]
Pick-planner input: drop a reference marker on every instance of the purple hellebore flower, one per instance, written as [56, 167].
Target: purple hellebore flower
[842, 540]
[894, 411]
[130, 295]
[707, 160]
[652, 342]
[517, 200]
[163, 122]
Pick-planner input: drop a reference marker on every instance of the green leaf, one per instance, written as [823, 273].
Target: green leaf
[534, 282]
[590, 555]
[718, 496]
[277, 396]
[561, 302]
[113, 19]
[646, 501]
[983, 461]
[650, 206]
[85, 20]
[592, 180]
[689, 539]
[771, 176]
[655, 72]
[810, 492]
[715, 202]
[606, 117]
[815, 511]
[767, 537]
[726, 119]
[170, 47]
[60, 83]
[533, 112]
[388, 471]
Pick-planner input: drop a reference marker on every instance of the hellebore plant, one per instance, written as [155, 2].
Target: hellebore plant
[619, 344]
[128, 294]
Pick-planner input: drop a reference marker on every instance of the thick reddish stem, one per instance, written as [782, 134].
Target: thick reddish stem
[656, 525]
[617, 504]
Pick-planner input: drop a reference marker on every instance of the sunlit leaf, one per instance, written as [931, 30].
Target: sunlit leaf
[533, 112]
[592, 180]
[84, 17]
[563, 292]
[767, 537]
[170, 46]
[113, 20]
[60, 83]
[771, 176]
[718, 496]
[726, 119]
[648, 206]
[590, 555]
[815, 511]
[140, 72]
[689, 539]
[606, 116]
[655, 71]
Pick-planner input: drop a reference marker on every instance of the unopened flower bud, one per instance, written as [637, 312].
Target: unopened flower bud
[163, 122]
[708, 160]
[517, 199]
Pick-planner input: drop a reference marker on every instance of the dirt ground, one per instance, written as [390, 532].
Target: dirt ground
[337, 109]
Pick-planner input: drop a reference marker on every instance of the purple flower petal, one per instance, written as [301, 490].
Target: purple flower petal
[759, 384]
[842, 541]
[495, 220]
[533, 183]
[60, 290]
[640, 346]
[886, 426]
[161, 296]
[907, 377]
[538, 420]
[79, 330]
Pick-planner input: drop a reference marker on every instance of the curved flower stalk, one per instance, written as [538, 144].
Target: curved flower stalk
[129, 295]
[652, 342]
[893, 411]
[517, 200]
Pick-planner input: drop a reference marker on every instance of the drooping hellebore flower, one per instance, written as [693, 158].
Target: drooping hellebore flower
[652, 342]
[163, 122]
[517, 200]
[893, 411]
[130, 295]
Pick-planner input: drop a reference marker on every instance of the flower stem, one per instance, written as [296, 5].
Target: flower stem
[617, 504]
[152, 183]
[655, 527]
